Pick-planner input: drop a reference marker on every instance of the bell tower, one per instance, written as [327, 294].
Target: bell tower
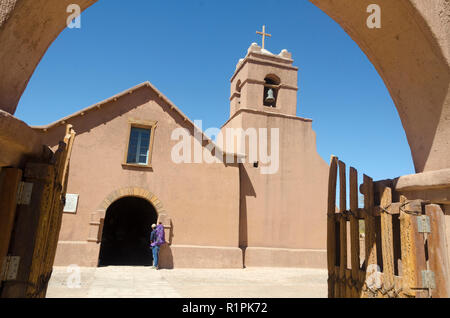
[265, 82]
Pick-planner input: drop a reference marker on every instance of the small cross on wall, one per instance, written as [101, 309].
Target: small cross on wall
[264, 34]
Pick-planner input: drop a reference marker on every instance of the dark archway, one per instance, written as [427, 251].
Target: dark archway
[126, 233]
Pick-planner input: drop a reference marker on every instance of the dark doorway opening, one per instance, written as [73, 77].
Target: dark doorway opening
[126, 233]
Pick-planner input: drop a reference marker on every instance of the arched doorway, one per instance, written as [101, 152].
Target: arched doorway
[126, 233]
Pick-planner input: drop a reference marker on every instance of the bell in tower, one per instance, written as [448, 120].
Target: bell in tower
[271, 85]
[270, 99]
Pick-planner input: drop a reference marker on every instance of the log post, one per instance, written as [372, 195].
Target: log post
[437, 251]
[342, 230]
[413, 250]
[387, 242]
[331, 227]
[354, 231]
[370, 240]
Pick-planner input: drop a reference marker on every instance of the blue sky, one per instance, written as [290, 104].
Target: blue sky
[189, 50]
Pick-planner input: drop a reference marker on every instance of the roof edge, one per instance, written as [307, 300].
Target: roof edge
[114, 98]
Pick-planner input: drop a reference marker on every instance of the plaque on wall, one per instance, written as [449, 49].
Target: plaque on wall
[71, 203]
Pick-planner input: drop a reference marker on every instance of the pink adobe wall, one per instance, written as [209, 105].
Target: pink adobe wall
[202, 200]
[286, 209]
[283, 214]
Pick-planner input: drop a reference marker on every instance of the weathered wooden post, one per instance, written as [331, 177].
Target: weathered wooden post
[387, 243]
[9, 184]
[413, 249]
[371, 277]
[38, 222]
[331, 227]
[342, 231]
[26, 226]
[354, 232]
[437, 252]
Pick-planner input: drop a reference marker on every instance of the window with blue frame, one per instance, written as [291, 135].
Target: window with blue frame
[139, 146]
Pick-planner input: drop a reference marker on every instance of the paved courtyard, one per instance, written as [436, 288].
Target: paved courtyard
[143, 282]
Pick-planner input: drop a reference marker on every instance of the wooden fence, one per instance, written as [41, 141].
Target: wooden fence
[392, 247]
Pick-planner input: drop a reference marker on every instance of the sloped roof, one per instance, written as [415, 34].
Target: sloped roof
[114, 98]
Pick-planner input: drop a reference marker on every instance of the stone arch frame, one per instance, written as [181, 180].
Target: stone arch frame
[98, 216]
[273, 77]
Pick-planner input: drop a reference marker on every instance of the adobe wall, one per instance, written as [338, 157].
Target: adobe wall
[283, 215]
[202, 200]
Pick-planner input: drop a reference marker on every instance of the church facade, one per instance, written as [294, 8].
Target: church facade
[258, 198]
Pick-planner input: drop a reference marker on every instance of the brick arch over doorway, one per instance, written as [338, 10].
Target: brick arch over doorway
[97, 217]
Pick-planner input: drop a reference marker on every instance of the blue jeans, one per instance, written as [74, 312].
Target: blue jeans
[155, 250]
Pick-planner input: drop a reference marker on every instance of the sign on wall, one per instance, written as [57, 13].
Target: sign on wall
[71, 203]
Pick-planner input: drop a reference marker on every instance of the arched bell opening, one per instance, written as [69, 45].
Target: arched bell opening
[271, 87]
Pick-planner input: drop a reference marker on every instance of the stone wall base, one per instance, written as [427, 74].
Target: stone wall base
[285, 257]
[190, 256]
[85, 254]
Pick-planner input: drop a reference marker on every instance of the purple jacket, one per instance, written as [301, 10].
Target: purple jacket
[160, 238]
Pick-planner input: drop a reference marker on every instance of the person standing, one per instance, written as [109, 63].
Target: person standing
[152, 241]
[159, 239]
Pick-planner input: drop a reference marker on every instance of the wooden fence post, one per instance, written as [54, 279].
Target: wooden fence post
[354, 232]
[437, 251]
[342, 231]
[370, 243]
[413, 250]
[387, 242]
[331, 227]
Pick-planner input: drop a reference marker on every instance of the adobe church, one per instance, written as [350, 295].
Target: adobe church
[122, 179]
